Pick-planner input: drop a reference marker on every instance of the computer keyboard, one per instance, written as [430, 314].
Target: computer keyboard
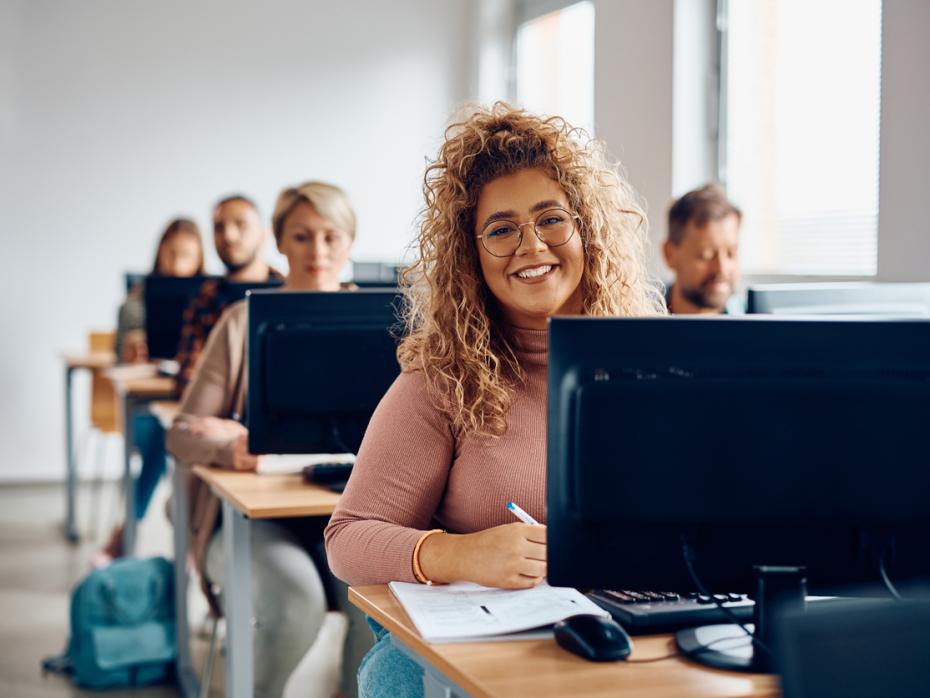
[335, 476]
[641, 612]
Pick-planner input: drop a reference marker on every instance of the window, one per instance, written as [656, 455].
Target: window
[555, 63]
[801, 132]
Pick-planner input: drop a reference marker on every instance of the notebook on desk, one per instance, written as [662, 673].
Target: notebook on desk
[294, 463]
[465, 612]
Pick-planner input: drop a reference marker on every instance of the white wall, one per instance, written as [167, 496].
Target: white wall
[904, 224]
[633, 97]
[116, 116]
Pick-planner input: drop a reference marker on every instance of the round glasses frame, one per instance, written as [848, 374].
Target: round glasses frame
[573, 217]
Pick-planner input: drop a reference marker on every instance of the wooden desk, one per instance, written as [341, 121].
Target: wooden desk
[134, 393]
[245, 497]
[165, 411]
[540, 668]
[93, 361]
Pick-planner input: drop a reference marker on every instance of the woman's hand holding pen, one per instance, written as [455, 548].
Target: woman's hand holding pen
[512, 556]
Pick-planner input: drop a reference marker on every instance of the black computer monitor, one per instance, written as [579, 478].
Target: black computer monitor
[319, 363]
[166, 299]
[841, 298]
[739, 443]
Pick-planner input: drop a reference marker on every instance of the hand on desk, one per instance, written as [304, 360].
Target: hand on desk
[214, 428]
[242, 459]
[135, 348]
[512, 556]
[225, 440]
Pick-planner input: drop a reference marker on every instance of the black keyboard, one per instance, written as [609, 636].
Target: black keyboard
[334, 476]
[642, 612]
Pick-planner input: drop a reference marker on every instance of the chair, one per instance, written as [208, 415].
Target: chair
[104, 416]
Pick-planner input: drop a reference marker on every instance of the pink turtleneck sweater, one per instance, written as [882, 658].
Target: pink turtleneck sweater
[416, 472]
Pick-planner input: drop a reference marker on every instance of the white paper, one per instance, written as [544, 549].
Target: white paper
[294, 463]
[462, 612]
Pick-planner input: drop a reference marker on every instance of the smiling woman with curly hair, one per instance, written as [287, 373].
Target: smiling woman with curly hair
[524, 219]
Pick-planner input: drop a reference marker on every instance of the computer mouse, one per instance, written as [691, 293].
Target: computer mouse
[595, 638]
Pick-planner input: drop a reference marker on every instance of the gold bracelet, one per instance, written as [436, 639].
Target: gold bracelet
[417, 571]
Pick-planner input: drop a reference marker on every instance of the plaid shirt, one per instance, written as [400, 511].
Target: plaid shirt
[201, 315]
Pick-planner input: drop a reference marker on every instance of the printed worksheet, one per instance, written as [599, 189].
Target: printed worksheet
[462, 612]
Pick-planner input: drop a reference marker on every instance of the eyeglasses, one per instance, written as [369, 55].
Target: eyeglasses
[554, 227]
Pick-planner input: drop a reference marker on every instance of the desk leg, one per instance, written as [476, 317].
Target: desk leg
[129, 489]
[187, 677]
[237, 602]
[70, 466]
[435, 683]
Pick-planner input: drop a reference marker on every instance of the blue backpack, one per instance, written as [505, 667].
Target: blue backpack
[122, 626]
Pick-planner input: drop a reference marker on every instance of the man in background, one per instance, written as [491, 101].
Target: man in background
[239, 237]
[703, 250]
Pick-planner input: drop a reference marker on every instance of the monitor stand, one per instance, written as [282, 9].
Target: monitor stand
[727, 646]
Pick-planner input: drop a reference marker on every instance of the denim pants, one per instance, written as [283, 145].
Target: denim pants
[149, 436]
[386, 672]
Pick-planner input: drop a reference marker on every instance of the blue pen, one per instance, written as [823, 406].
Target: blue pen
[520, 514]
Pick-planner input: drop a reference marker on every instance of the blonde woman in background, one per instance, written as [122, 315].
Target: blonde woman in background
[314, 227]
[524, 220]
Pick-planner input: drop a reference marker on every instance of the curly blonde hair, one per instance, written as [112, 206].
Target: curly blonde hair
[454, 329]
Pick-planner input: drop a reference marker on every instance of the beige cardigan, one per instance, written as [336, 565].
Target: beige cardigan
[218, 389]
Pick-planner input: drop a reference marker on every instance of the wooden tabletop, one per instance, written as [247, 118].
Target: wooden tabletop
[92, 360]
[165, 411]
[540, 668]
[149, 386]
[269, 496]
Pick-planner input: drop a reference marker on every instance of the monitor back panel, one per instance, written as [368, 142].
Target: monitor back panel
[782, 442]
[319, 364]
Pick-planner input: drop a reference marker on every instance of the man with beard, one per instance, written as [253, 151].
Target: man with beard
[239, 236]
[703, 250]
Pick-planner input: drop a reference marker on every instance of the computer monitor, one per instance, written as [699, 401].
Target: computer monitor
[737, 443]
[133, 279]
[319, 364]
[376, 274]
[841, 298]
[166, 299]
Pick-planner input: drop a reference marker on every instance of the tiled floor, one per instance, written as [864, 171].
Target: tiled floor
[37, 571]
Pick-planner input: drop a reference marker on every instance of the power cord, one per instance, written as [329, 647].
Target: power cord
[689, 556]
[337, 438]
[888, 585]
[697, 650]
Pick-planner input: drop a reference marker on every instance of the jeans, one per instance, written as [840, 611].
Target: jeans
[386, 672]
[150, 440]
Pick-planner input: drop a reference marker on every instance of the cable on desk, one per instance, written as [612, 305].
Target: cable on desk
[888, 585]
[679, 653]
[689, 556]
[337, 437]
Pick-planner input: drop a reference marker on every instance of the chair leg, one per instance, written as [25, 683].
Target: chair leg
[208, 665]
